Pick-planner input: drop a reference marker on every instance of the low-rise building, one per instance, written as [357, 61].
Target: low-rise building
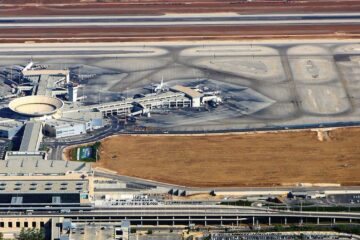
[23, 166]
[306, 194]
[10, 129]
[195, 96]
[62, 128]
[40, 184]
[122, 232]
[32, 137]
[73, 124]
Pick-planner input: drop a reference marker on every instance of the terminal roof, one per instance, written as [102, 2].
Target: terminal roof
[43, 186]
[24, 166]
[45, 72]
[31, 137]
[188, 91]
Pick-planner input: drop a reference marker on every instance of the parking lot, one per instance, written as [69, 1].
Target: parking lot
[92, 231]
[279, 236]
[344, 198]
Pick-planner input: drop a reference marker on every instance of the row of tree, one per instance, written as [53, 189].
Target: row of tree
[29, 234]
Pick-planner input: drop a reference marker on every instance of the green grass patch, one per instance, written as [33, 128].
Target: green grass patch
[85, 153]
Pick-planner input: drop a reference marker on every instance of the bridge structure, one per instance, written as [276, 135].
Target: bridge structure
[202, 215]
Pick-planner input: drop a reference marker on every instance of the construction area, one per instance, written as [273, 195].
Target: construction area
[252, 159]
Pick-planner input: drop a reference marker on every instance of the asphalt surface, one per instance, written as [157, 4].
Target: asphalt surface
[166, 20]
[58, 146]
[218, 190]
[195, 211]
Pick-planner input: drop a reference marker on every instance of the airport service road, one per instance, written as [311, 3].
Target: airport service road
[227, 190]
[191, 213]
[182, 20]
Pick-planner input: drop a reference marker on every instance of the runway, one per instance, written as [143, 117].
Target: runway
[159, 7]
[182, 20]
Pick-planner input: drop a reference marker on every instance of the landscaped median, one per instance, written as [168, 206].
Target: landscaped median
[85, 153]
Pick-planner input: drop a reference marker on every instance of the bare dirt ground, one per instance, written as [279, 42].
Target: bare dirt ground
[80, 34]
[261, 159]
[92, 7]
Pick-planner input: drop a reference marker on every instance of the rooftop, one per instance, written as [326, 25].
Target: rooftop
[28, 155]
[31, 137]
[188, 91]
[45, 72]
[24, 166]
[43, 186]
[10, 125]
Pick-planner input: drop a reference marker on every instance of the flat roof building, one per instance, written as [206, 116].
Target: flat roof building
[32, 137]
[19, 200]
[72, 124]
[39, 155]
[43, 186]
[10, 129]
[23, 166]
[195, 96]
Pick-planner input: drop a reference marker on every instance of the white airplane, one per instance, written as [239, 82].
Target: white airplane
[158, 87]
[28, 66]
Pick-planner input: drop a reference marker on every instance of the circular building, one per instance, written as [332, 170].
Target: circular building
[36, 106]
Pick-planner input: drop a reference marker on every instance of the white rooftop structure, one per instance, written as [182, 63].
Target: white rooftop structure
[8, 129]
[189, 92]
[32, 137]
[24, 166]
[43, 186]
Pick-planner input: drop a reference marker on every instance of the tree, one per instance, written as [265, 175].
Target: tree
[31, 234]
[1, 236]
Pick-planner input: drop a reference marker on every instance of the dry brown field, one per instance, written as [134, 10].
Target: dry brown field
[256, 159]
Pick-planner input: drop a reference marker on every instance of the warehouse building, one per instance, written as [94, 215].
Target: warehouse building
[61, 128]
[73, 124]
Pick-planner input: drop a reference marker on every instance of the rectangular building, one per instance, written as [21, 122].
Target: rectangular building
[195, 96]
[10, 129]
[74, 123]
[61, 128]
[32, 137]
